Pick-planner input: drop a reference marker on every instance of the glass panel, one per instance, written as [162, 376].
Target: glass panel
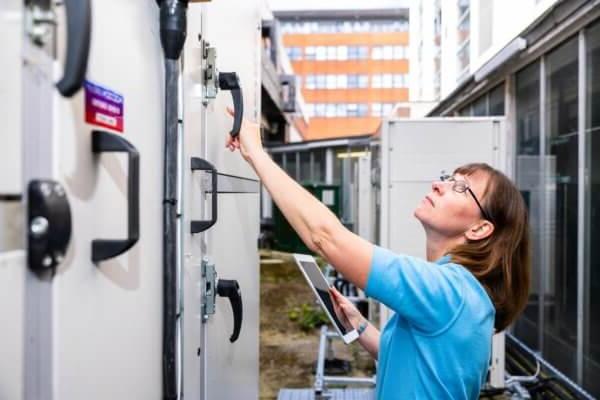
[289, 163]
[342, 52]
[496, 101]
[305, 172]
[480, 107]
[352, 81]
[377, 53]
[528, 179]
[363, 81]
[376, 109]
[319, 165]
[560, 296]
[591, 351]
[331, 52]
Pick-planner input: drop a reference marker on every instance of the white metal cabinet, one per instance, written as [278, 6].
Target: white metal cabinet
[226, 370]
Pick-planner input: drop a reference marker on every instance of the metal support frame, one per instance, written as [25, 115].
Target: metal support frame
[322, 380]
[581, 200]
[543, 206]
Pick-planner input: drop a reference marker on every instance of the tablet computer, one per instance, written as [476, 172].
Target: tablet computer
[317, 281]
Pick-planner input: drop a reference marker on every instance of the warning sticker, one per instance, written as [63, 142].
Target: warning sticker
[103, 107]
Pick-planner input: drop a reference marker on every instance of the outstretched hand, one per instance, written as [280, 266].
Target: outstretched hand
[248, 142]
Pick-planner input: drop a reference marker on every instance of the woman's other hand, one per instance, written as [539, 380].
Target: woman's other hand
[347, 313]
[248, 141]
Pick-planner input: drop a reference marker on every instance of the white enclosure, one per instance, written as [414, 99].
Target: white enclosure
[413, 152]
[94, 329]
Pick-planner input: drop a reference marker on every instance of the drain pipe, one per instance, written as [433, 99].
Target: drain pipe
[172, 36]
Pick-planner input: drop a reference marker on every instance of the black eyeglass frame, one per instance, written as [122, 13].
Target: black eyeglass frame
[449, 178]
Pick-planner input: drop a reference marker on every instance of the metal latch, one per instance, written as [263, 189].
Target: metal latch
[49, 225]
[215, 81]
[223, 288]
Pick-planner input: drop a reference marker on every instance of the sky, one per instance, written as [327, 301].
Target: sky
[283, 5]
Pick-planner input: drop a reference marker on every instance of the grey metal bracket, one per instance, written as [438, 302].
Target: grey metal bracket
[211, 75]
[209, 275]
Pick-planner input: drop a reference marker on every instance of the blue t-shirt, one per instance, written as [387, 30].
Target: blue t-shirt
[438, 343]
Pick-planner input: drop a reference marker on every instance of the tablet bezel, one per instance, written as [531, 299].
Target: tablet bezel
[351, 335]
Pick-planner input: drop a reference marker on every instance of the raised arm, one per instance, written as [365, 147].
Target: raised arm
[316, 225]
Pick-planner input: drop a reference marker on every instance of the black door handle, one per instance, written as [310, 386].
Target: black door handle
[103, 249]
[230, 81]
[231, 289]
[199, 164]
[79, 26]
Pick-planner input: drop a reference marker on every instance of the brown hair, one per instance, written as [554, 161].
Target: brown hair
[502, 261]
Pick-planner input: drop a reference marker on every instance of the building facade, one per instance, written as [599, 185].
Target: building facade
[352, 67]
[541, 69]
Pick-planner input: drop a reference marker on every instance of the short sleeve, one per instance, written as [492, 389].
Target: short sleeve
[426, 294]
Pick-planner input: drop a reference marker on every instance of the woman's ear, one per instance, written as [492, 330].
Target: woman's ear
[479, 231]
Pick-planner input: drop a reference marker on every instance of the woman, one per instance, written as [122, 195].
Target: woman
[475, 278]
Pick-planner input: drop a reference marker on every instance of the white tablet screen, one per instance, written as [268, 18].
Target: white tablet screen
[316, 277]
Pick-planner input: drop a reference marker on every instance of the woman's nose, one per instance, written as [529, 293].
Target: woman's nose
[438, 186]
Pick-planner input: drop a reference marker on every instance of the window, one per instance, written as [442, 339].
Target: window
[320, 110]
[352, 52]
[399, 81]
[464, 31]
[528, 181]
[376, 109]
[387, 81]
[377, 53]
[591, 351]
[342, 52]
[387, 109]
[305, 168]
[331, 110]
[399, 52]
[496, 101]
[352, 110]
[331, 52]
[310, 53]
[388, 52]
[321, 53]
[321, 83]
[331, 81]
[310, 110]
[480, 107]
[363, 52]
[341, 110]
[363, 110]
[294, 53]
[561, 191]
[363, 81]
[342, 81]
[310, 81]
[376, 81]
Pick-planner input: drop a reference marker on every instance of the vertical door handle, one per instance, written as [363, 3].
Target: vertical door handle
[103, 249]
[230, 81]
[199, 164]
[231, 290]
[79, 26]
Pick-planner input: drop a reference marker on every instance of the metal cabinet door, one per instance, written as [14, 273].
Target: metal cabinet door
[225, 370]
[94, 329]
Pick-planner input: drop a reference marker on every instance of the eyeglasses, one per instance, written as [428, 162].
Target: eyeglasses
[461, 186]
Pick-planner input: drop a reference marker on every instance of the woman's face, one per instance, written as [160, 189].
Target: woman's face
[448, 212]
